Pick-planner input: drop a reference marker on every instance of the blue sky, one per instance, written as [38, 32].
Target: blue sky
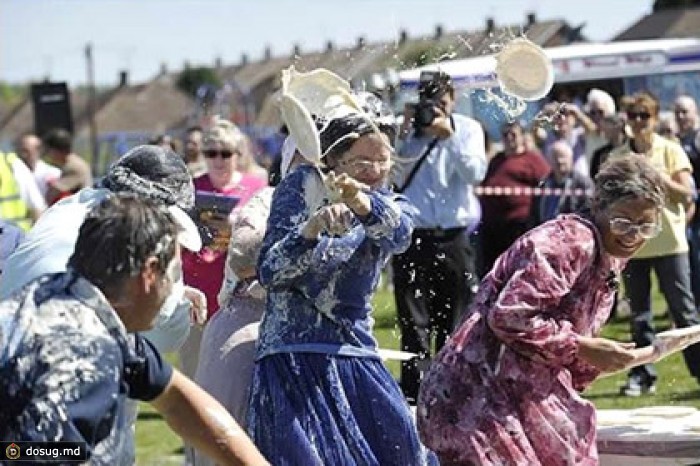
[48, 37]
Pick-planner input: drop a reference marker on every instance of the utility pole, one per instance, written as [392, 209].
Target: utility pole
[92, 108]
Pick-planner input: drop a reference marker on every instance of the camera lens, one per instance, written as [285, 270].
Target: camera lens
[424, 114]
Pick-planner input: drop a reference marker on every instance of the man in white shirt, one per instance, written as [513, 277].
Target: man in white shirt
[29, 150]
[442, 157]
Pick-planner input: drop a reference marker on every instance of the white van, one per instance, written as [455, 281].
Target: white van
[665, 67]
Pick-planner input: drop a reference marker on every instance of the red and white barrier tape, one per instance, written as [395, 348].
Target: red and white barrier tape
[528, 191]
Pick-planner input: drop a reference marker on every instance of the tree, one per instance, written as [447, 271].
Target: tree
[192, 79]
[11, 94]
[660, 5]
[425, 54]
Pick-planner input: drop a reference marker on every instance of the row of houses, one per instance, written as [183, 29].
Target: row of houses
[129, 112]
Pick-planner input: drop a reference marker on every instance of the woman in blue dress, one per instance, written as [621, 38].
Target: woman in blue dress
[321, 395]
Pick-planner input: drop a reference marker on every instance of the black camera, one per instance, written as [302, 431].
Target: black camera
[424, 113]
[431, 86]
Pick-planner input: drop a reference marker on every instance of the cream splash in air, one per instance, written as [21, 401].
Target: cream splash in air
[524, 70]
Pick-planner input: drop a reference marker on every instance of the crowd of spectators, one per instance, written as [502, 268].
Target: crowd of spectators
[428, 198]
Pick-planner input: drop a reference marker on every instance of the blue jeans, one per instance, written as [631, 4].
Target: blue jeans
[673, 274]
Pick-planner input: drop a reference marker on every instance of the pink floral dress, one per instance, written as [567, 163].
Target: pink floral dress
[505, 388]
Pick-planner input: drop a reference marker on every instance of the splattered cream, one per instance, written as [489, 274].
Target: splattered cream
[224, 422]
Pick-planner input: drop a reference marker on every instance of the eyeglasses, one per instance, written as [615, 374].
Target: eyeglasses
[638, 115]
[366, 165]
[596, 111]
[623, 226]
[681, 111]
[212, 153]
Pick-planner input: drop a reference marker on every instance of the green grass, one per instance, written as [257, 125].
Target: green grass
[157, 445]
[675, 385]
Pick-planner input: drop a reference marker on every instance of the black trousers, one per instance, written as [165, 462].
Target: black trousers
[434, 282]
[495, 239]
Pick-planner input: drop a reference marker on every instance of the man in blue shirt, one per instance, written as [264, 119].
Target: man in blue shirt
[442, 157]
[67, 363]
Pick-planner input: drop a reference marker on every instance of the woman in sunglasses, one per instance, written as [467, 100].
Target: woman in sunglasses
[506, 387]
[667, 254]
[223, 144]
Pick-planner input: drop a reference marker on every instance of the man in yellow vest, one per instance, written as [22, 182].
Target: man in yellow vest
[21, 201]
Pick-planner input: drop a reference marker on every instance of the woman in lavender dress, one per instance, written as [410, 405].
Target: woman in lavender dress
[227, 352]
[505, 388]
[321, 394]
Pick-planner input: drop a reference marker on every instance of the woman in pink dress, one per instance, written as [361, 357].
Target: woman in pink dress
[505, 389]
[224, 144]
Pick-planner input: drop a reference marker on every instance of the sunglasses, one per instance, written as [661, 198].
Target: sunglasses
[638, 116]
[212, 153]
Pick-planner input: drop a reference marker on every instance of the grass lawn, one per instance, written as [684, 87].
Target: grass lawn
[157, 445]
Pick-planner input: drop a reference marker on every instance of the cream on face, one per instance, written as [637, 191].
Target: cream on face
[368, 160]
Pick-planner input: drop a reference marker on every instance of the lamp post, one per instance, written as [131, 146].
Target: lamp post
[92, 108]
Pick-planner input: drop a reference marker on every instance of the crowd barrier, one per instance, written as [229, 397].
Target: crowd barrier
[528, 191]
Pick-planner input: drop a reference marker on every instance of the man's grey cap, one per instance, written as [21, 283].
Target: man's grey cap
[154, 172]
[159, 174]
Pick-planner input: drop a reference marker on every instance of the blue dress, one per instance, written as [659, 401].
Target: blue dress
[321, 395]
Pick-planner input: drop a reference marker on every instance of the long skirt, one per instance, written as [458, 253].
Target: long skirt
[227, 358]
[311, 409]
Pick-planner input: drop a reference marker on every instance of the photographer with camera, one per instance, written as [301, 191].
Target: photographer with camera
[442, 157]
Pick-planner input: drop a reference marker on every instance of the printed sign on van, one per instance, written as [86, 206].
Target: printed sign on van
[610, 62]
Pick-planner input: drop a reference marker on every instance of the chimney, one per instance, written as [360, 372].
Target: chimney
[361, 42]
[163, 68]
[268, 53]
[218, 63]
[490, 25]
[296, 51]
[187, 65]
[403, 36]
[531, 19]
[123, 78]
[244, 59]
[438, 32]
[329, 46]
